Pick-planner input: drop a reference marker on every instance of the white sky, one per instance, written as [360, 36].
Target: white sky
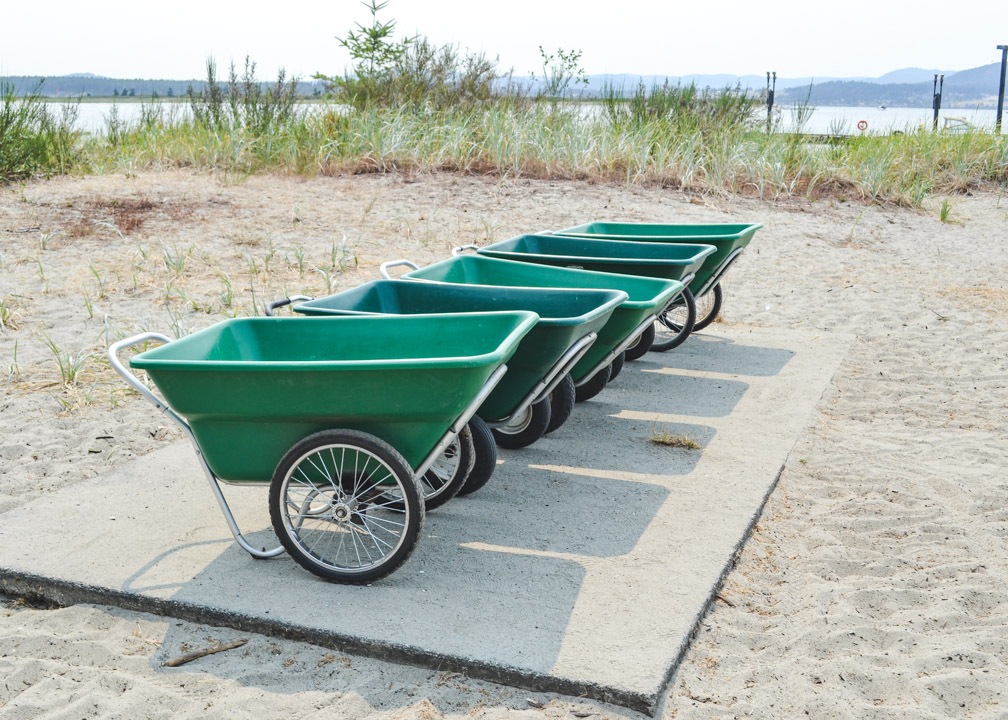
[140, 38]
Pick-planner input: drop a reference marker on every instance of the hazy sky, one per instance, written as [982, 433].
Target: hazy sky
[135, 38]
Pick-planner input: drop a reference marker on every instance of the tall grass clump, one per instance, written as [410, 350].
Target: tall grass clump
[244, 103]
[33, 140]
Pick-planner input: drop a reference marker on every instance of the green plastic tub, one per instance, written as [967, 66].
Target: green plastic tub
[646, 297]
[251, 388]
[727, 238]
[565, 317]
[658, 260]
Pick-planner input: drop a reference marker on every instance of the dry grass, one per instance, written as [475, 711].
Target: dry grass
[662, 436]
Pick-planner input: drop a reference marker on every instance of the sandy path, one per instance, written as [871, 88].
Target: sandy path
[874, 586]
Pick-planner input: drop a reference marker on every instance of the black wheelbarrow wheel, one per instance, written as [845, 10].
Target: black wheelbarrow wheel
[524, 430]
[593, 387]
[639, 347]
[561, 403]
[675, 323]
[616, 366]
[484, 455]
[345, 506]
[709, 307]
[449, 472]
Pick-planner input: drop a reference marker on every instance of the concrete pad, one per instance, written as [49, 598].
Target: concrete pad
[583, 567]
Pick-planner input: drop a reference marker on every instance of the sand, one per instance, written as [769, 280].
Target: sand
[875, 584]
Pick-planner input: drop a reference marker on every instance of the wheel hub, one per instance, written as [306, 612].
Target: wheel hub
[519, 423]
[342, 513]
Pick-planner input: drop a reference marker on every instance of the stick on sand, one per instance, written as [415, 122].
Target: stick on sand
[196, 654]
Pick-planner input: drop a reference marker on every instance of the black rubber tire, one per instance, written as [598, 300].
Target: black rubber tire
[561, 403]
[616, 366]
[641, 345]
[466, 457]
[412, 507]
[709, 312]
[533, 427]
[593, 387]
[679, 331]
[485, 455]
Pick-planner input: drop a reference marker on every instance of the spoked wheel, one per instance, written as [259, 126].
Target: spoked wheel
[345, 506]
[525, 430]
[561, 403]
[593, 387]
[709, 307]
[485, 455]
[675, 323]
[616, 365]
[642, 344]
[449, 472]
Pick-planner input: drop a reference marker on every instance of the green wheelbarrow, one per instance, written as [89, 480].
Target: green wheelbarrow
[659, 260]
[337, 415]
[646, 299]
[730, 239]
[519, 410]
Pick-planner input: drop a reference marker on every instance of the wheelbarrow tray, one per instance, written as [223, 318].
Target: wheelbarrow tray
[725, 237]
[660, 260]
[646, 297]
[565, 316]
[251, 388]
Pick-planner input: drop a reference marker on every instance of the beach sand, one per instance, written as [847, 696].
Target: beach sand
[875, 584]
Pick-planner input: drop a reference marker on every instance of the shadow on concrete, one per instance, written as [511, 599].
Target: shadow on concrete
[722, 355]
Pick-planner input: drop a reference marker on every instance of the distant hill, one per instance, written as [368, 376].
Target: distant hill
[904, 76]
[907, 87]
[87, 84]
[976, 87]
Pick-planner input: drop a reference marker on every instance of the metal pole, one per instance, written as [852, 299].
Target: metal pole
[770, 98]
[1004, 61]
[936, 102]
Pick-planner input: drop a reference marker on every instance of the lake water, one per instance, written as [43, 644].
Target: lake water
[844, 120]
[824, 120]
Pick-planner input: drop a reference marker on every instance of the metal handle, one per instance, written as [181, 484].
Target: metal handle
[284, 302]
[134, 382]
[462, 248]
[384, 268]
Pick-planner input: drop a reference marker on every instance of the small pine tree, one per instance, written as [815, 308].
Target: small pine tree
[170, 93]
[115, 93]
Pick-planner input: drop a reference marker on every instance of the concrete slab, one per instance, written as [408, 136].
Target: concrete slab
[583, 567]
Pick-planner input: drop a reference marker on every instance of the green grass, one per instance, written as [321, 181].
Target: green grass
[33, 140]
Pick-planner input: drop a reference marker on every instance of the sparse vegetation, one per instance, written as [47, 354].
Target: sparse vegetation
[70, 364]
[662, 436]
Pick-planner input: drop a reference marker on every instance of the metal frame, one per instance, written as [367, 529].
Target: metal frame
[134, 382]
[462, 248]
[627, 342]
[716, 276]
[461, 420]
[552, 378]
